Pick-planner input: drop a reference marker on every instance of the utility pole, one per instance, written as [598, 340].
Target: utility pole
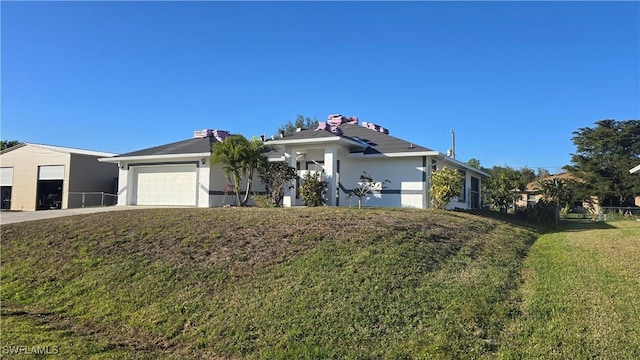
[453, 144]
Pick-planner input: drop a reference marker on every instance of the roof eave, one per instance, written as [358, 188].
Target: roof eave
[313, 141]
[396, 154]
[117, 159]
[66, 150]
[460, 163]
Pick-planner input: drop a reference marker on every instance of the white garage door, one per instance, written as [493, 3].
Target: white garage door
[165, 185]
[6, 176]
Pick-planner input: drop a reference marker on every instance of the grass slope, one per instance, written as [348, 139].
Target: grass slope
[261, 283]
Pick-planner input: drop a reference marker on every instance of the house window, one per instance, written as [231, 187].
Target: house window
[531, 200]
[463, 190]
[434, 165]
[475, 193]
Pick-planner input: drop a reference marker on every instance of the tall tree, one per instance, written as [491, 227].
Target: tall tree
[528, 175]
[500, 191]
[475, 163]
[230, 153]
[252, 158]
[542, 173]
[240, 157]
[604, 155]
[5, 144]
[300, 122]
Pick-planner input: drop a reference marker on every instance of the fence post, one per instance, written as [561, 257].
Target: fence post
[102, 199]
[82, 199]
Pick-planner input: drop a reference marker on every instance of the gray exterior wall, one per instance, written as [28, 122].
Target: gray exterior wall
[88, 175]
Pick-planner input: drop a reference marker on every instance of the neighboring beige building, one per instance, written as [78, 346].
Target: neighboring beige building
[38, 177]
[531, 195]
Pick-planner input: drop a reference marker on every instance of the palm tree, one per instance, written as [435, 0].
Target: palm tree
[241, 157]
[555, 191]
[251, 159]
[229, 152]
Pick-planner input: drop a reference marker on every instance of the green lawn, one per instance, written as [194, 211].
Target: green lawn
[317, 283]
[581, 295]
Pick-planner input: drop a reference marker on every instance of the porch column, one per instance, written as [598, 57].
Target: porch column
[330, 169]
[289, 194]
[124, 177]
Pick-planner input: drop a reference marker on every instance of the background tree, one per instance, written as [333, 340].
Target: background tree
[365, 186]
[276, 175]
[555, 191]
[604, 155]
[542, 173]
[445, 183]
[5, 144]
[560, 191]
[474, 163]
[528, 175]
[300, 122]
[501, 190]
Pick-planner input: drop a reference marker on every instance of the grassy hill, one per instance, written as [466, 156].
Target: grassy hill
[317, 283]
[262, 283]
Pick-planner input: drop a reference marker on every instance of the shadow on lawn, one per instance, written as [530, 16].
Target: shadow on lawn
[573, 225]
[565, 224]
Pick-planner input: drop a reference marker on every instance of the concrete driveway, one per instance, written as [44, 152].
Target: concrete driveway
[9, 217]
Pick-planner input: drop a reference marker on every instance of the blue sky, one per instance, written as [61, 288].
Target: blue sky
[513, 79]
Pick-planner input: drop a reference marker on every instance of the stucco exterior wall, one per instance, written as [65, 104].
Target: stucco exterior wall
[408, 177]
[217, 185]
[407, 186]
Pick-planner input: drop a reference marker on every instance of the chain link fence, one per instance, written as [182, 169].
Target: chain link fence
[608, 213]
[91, 199]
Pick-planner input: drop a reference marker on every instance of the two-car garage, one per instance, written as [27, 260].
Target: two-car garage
[175, 184]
